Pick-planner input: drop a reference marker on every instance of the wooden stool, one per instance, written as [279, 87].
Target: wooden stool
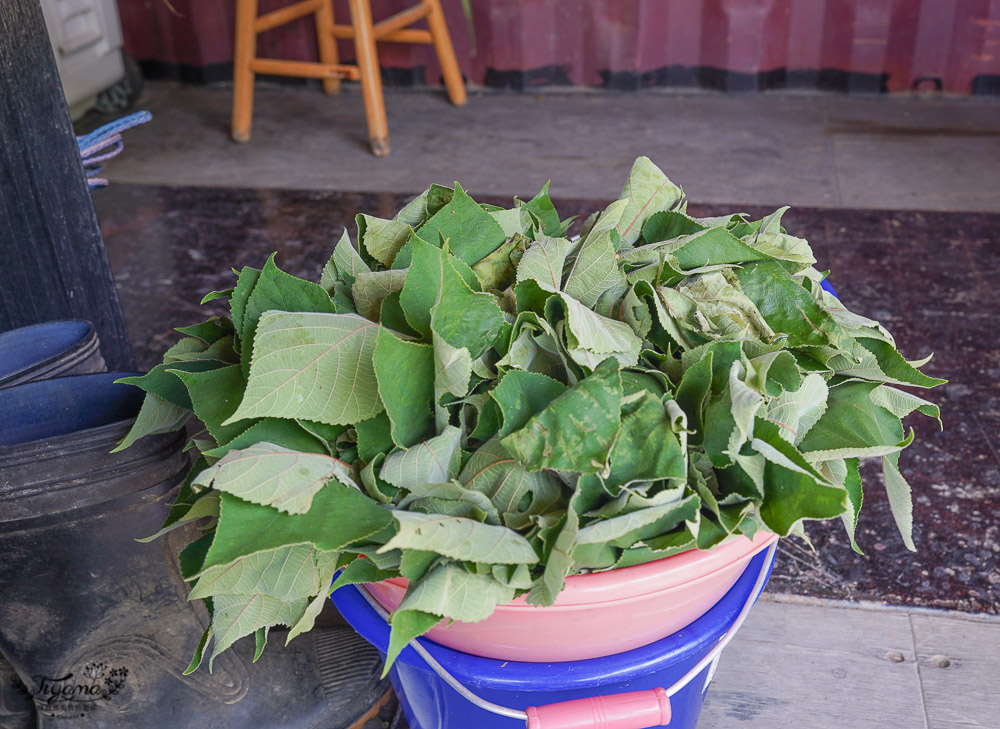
[395, 29]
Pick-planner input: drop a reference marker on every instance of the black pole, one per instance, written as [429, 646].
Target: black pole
[52, 259]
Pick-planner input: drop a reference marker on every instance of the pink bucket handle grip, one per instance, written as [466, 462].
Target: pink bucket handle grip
[634, 710]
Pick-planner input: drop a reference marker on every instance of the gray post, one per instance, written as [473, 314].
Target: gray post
[52, 259]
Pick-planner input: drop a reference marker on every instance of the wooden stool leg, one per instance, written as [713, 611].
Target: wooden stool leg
[371, 78]
[327, 43]
[243, 77]
[445, 53]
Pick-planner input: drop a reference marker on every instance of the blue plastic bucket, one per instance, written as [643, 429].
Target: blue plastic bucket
[430, 703]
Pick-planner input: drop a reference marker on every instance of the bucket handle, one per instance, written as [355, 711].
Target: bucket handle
[633, 710]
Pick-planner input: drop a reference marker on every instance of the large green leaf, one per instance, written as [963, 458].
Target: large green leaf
[452, 592]
[276, 290]
[850, 477]
[382, 239]
[211, 330]
[327, 563]
[245, 282]
[463, 317]
[470, 231]
[452, 369]
[543, 262]
[288, 573]
[595, 269]
[590, 337]
[523, 394]
[312, 366]
[668, 224]
[272, 475]
[405, 372]
[452, 376]
[245, 528]
[348, 261]
[901, 403]
[647, 449]
[900, 499]
[237, 616]
[374, 436]
[647, 191]
[693, 391]
[286, 433]
[404, 627]
[853, 426]
[542, 208]
[163, 381]
[787, 307]
[515, 492]
[434, 461]
[793, 490]
[155, 416]
[216, 394]
[452, 491]
[795, 412]
[898, 369]
[515, 221]
[576, 431]
[627, 529]
[460, 539]
[370, 289]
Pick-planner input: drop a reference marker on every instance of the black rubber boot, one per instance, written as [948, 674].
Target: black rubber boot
[38, 352]
[16, 708]
[44, 351]
[98, 626]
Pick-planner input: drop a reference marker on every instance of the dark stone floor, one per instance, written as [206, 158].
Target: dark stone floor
[929, 277]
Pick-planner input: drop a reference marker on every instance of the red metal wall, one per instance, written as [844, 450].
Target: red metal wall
[848, 45]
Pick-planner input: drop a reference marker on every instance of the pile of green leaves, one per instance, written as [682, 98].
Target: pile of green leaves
[473, 401]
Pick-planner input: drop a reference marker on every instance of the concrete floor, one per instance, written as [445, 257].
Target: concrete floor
[798, 662]
[770, 149]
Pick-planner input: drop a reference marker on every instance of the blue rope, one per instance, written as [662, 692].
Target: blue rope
[104, 143]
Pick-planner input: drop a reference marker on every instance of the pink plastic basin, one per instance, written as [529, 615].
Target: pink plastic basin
[602, 613]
